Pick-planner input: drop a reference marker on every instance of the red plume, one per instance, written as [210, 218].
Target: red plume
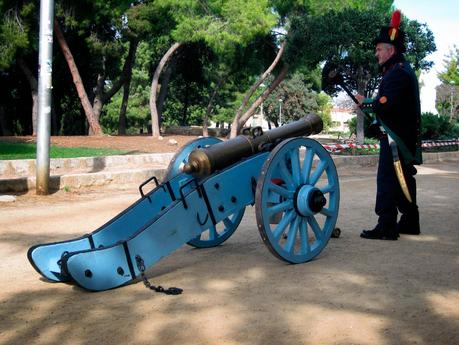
[395, 21]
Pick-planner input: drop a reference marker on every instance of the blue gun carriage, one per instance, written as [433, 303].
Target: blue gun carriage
[291, 180]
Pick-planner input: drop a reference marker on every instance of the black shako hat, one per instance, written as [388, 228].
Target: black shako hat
[392, 34]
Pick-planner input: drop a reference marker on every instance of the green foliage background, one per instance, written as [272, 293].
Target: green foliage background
[227, 45]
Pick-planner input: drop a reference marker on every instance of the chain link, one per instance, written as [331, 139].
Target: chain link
[141, 266]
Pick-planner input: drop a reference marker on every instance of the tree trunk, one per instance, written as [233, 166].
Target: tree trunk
[99, 100]
[275, 83]
[129, 63]
[97, 108]
[4, 126]
[154, 89]
[93, 123]
[205, 125]
[210, 107]
[235, 127]
[34, 91]
[163, 91]
[361, 86]
[122, 122]
[360, 128]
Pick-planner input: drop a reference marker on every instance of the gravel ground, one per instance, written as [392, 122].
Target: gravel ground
[356, 292]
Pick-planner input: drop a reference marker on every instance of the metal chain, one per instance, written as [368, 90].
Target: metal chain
[159, 288]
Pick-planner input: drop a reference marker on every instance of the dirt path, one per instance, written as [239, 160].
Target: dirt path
[355, 292]
[132, 144]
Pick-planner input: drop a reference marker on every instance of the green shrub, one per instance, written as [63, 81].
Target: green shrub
[352, 124]
[437, 127]
[433, 127]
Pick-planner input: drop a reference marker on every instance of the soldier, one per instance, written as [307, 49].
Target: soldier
[398, 114]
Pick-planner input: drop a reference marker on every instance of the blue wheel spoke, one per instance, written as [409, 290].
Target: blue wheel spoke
[304, 239]
[228, 223]
[286, 175]
[295, 159]
[219, 233]
[296, 238]
[306, 170]
[290, 244]
[286, 193]
[315, 228]
[318, 172]
[213, 233]
[328, 188]
[280, 228]
[326, 212]
[286, 205]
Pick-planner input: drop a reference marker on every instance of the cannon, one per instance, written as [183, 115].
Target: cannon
[291, 180]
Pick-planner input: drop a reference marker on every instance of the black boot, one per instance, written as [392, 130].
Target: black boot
[380, 233]
[409, 225]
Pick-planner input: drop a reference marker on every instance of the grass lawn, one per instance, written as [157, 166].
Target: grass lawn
[28, 151]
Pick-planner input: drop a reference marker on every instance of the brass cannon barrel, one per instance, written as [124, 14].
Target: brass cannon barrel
[205, 161]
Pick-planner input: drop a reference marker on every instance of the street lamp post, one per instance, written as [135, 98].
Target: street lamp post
[45, 58]
[280, 111]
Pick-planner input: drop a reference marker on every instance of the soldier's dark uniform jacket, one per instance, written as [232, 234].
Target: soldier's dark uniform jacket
[397, 107]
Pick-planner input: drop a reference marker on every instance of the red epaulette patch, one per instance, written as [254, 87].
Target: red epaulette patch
[383, 100]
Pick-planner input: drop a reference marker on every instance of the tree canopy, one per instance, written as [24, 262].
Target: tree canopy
[294, 98]
[447, 98]
[343, 40]
[226, 51]
[450, 74]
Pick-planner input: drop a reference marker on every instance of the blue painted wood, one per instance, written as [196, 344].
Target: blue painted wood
[170, 216]
[301, 234]
[181, 156]
[228, 193]
[172, 228]
[217, 233]
[236, 186]
[45, 257]
[169, 230]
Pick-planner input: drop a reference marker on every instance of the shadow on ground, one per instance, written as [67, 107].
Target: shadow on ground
[356, 292]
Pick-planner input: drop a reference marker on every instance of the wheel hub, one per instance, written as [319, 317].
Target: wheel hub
[309, 200]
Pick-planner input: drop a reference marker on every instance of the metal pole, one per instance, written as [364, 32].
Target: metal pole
[45, 55]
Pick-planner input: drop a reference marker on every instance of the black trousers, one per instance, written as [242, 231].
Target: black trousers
[389, 195]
